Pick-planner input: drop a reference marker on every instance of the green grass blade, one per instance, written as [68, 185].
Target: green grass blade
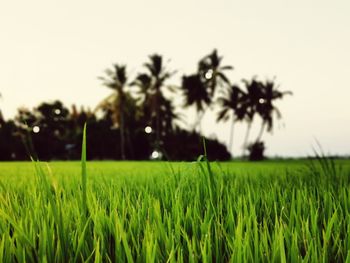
[83, 171]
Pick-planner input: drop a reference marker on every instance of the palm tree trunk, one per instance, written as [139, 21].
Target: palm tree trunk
[230, 147]
[122, 137]
[260, 132]
[245, 143]
[155, 118]
[157, 121]
[198, 124]
[158, 129]
[128, 142]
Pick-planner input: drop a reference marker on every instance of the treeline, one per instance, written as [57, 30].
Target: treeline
[139, 119]
[53, 132]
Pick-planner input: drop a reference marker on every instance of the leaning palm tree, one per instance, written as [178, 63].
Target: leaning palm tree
[232, 108]
[265, 107]
[250, 101]
[199, 89]
[116, 79]
[212, 72]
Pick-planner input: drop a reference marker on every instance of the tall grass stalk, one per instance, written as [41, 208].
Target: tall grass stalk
[83, 171]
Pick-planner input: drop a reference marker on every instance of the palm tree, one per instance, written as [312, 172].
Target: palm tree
[250, 101]
[154, 98]
[144, 83]
[116, 79]
[232, 107]
[195, 93]
[258, 99]
[265, 106]
[199, 89]
[168, 115]
[212, 73]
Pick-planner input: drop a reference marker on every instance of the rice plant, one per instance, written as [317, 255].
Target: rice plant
[189, 212]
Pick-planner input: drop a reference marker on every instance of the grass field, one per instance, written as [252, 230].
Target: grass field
[287, 211]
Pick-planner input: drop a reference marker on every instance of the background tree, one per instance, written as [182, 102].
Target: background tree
[127, 113]
[155, 102]
[258, 100]
[52, 122]
[250, 101]
[26, 123]
[196, 94]
[144, 83]
[11, 143]
[199, 89]
[212, 72]
[266, 108]
[231, 108]
[116, 79]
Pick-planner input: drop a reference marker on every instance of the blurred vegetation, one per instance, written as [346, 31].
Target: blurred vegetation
[139, 119]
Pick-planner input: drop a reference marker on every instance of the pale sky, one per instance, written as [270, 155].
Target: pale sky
[56, 50]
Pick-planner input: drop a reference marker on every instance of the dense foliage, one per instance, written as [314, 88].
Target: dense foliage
[139, 119]
[60, 133]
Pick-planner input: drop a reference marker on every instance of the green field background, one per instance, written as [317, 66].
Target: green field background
[156, 168]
